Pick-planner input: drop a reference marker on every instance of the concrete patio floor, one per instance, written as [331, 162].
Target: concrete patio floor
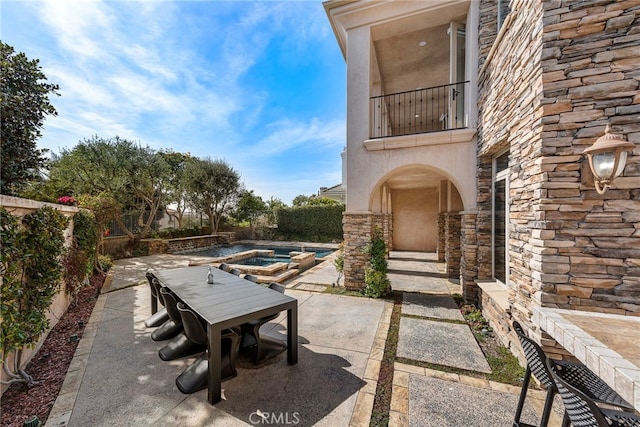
[117, 378]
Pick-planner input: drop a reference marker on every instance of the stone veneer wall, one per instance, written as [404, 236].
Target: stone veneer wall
[441, 237]
[358, 229]
[590, 245]
[357, 234]
[510, 89]
[469, 257]
[560, 71]
[452, 245]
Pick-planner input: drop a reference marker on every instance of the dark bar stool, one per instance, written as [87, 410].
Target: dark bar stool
[583, 411]
[581, 377]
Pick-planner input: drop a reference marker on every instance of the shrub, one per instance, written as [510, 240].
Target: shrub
[104, 262]
[31, 270]
[311, 222]
[80, 259]
[338, 262]
[375, 275]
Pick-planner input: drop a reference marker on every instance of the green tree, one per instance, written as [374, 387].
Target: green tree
[301, 200]
[317, 200]
[213, 188]
[176, 189]
[31, 269]
[312, 200]
[24, 103]
[136, 178]
[104, 209]
[250, 208]
[273, 204]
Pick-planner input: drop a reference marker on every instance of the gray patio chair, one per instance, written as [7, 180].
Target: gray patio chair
[180, 346]
[168, 329]
[581, 377]
[158, 317]
[195, 377]
[580, 409]
[251, 278]
[264, 348]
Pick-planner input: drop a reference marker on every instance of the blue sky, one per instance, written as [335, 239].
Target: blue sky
[258, 84]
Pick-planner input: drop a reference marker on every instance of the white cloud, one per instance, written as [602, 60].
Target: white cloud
[174, 75]
[288, 134]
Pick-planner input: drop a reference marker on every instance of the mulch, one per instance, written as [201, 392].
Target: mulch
[49, 366]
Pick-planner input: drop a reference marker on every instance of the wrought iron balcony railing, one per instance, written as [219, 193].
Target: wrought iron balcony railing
[433, 109]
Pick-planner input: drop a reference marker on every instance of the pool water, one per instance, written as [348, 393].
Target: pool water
[262, 261]
[281, 253]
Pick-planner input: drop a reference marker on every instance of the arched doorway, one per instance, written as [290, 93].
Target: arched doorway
[417, 196]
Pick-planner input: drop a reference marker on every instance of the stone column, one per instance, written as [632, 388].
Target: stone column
[469, 259]
[357, 235]
[452, 245]
[442, 238]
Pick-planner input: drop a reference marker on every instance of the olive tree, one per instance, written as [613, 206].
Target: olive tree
[136, 178]
[213, 188]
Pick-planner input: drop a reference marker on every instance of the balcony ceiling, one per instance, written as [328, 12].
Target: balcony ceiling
[414, 178]
[405, 65]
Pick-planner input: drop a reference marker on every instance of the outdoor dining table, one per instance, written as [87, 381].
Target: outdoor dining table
[229, 301]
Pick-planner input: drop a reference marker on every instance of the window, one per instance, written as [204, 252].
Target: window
[503, 10]
[500, 199]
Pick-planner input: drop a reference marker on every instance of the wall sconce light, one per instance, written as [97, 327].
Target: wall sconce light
[607, 158]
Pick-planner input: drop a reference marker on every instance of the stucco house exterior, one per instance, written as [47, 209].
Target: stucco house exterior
[466, 124]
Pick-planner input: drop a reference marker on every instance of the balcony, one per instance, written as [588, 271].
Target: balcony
[424, 110]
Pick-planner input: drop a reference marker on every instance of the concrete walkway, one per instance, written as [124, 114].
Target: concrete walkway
[117, 378]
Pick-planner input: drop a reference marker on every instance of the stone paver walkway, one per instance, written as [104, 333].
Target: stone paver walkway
[432, 330]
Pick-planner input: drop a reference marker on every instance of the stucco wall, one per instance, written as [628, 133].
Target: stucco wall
[415, 219]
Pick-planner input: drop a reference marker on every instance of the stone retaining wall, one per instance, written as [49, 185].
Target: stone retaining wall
[186, 243]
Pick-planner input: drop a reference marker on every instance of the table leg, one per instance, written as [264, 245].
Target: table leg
[154, 303]
[215, 364]
[292, 334]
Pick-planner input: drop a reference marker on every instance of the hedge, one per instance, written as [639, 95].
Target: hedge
[312, 221]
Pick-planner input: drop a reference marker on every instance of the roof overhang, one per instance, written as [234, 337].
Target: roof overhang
[348, 14]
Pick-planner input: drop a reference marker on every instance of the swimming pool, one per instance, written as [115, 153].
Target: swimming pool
[281, 252]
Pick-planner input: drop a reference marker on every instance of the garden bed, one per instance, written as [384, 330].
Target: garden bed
[49, 365]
